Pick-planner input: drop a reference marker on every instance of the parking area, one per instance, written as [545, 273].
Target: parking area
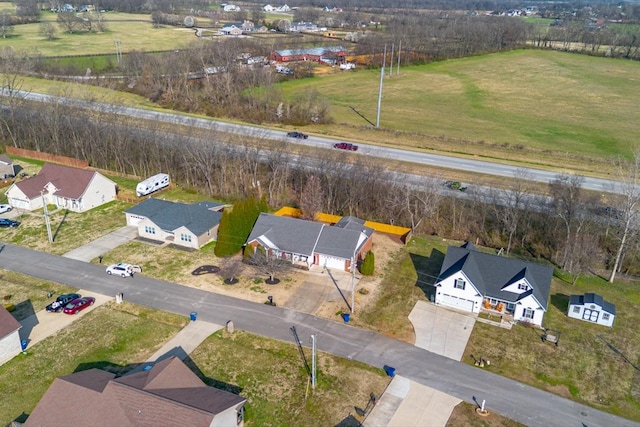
[43, 324]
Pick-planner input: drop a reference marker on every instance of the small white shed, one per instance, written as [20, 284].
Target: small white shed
[592, 308]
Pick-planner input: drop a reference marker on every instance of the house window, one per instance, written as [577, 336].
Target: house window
[149, 230]
[459, 284]
[527, 313]
[523, 286]
[576, 309]
[185, 237]
[605, 316]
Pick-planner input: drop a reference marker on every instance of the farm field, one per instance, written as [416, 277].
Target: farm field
[565, 108]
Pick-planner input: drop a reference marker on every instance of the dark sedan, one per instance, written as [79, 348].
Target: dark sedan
[61, 301]
[297, 135]
[78, 304]
[345, 146]
[6, 222]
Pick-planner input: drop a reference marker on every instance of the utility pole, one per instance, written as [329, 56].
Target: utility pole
[380, 90]
[118, 52]
[393, 45]
[46, 216]
[313, 361]
[353, 284]
[399, 50]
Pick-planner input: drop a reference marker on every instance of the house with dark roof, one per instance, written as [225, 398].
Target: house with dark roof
[472, 281]
[592, 308]
[77, 190]
[167, 394]
[9, 336]
[308, 243]
[189, 225]
[7, 168]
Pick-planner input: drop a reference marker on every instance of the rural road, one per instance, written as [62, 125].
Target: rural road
[514, 400]
[428, 160]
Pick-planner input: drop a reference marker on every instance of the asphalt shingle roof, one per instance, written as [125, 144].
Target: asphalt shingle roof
[287, 234]
[8, 323]
[197, 217]
[70, 182]
[490, 273]
[591, 298]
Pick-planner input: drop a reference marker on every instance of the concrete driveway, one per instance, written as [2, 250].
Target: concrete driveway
[103, 244]
[441, 330]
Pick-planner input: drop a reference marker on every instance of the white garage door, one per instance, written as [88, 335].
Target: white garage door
[330, 262]
[455, 302]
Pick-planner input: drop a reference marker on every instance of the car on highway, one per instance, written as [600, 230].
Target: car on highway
[5, 208]
[121, 269]
[6, 222]
[345, 146]
[60, 302]
[297, 135]
[78, 304]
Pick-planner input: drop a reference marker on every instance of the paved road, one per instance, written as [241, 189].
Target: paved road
[514, 400]
[429, 160]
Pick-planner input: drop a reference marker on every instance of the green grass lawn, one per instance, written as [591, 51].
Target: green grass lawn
[540, 100]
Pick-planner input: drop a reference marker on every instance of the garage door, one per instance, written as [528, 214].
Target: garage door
[455, 302]
[330, 262]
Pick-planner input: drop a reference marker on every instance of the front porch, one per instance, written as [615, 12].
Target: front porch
[497, 313]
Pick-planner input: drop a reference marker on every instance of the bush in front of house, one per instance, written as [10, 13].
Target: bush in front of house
[368, 264]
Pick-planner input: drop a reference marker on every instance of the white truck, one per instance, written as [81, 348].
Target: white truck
[151, 184]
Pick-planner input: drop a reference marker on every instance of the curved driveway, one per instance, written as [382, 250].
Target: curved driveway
[514, 400]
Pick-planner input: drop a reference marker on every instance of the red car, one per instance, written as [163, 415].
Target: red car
[78, 305]
[346, 146]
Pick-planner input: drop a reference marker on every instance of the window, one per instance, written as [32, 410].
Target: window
[149, 230]
[527, 313]
[523, 286]
[605, 316]
[185, 237]
[459, 284]
[576, 309]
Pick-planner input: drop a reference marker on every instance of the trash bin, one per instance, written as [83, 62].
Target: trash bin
[390, 371]
[23, 344]
[193, 316]
[345, 317]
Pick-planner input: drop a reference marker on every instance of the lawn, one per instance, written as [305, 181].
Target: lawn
[560, 106]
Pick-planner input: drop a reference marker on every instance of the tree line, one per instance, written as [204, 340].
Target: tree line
[565, 226]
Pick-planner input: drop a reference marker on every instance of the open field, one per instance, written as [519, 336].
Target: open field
[515, 105]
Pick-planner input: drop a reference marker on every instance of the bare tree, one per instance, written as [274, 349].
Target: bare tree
[47, 30]
[416, 202]
[629, 206]
[511, 203]
[6, 24]
[312, 198]
[69, 22]
[268, 263]
[565, 191]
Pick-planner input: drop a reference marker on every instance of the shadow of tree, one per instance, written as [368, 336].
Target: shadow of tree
[427, 270]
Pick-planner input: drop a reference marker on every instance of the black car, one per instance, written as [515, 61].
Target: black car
[61, 301]
[6, 222]
[297, 135]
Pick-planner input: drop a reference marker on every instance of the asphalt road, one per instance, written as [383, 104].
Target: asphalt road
[514, 400]
[433, 160]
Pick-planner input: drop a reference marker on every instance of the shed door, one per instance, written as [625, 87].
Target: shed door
[590, 315]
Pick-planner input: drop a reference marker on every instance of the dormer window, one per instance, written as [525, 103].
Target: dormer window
[523, 286]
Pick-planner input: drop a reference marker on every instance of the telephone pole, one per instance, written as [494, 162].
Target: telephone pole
[46, 216]
[313, 361]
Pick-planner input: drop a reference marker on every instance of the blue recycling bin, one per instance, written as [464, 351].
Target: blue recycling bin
[23, 344]
[390, 371]
[193, 316]
[345, 317]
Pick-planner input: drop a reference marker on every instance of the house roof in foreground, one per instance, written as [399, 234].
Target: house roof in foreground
[196, 217]
[490, 273]
[167, 394]
[591, 298]
[8, 323]
[70, 182]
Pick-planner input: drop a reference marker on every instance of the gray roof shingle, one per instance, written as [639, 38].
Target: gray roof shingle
[287, 234]
[591, 298]
[197, 217]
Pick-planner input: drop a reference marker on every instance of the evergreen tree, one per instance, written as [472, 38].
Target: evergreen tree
[368, 264]
[224, 246]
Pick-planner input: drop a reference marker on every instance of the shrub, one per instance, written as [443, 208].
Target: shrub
[368, 264]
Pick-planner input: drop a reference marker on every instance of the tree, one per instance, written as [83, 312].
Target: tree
[225, 245]
[511, 203]
[69, 22]
[6, 24]
[628, 207]
[565, 192]
[267, 263]
[47, 30]
[13, 66]
[312, 198]
[236, 224]
[367, 267]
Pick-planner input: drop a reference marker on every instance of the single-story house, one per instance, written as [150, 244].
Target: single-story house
[306, 243]
[190, 225]
[470, 280]
[9, 336]
[335, 54]
[303, 26]
[593, 308]
[69, 188]
[231, 29]
[166, 394]
[7, 168]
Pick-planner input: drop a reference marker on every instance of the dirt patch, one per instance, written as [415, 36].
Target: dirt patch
[464, 414]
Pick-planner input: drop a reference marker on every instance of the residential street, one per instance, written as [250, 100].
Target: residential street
[517, 401]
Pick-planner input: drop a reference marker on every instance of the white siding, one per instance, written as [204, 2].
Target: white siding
[530, 303]
[229, 418]
[332, 262]
[10, 346]
[514, 287]
[592, 313]
[446, 290]
[100, 190]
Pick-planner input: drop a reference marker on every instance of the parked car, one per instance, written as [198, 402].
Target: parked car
[60, 302]
[5, 208]
[123, 269]
[78, 304]
[6, 222]
[346, 146]
[297, 135]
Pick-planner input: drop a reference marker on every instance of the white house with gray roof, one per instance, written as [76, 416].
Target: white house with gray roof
[308, 243]
[472, 281]
[189, 225]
